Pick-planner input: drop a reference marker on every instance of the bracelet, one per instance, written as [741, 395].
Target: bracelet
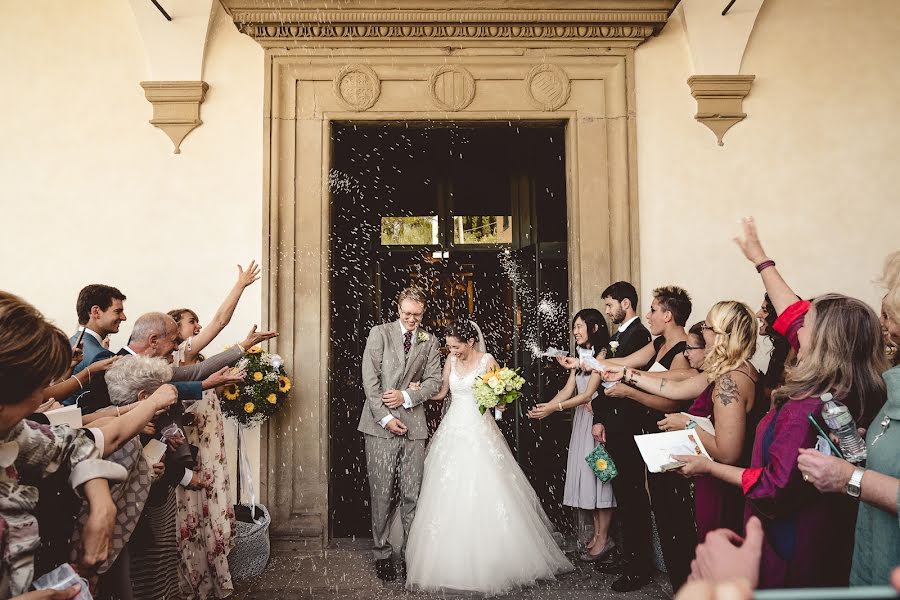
[625, 376]
[690, 425]
[78, 381]
[118, 414]
[559, 404]
[242, 348]
[765, 265]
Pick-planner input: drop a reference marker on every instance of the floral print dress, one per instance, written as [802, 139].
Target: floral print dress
[205, 518]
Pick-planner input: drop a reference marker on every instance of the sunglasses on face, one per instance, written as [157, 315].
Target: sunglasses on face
[689, 348]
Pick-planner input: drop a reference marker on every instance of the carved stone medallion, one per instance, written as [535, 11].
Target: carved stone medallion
[547, 86]
[357, 87]
[452, 87]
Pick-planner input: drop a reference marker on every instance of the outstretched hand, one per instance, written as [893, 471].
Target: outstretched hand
[726, 556]
[255, 337]
[749, 244]
[248, 277]
[541, 411]
[569, 362]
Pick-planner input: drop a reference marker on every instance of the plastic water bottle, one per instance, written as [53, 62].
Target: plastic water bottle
[838, 418]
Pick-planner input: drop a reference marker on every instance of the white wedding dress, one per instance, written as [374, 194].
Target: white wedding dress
[479, 526]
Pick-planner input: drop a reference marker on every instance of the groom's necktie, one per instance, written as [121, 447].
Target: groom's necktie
[407, 342]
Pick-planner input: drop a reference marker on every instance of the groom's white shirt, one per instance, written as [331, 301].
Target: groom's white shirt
[407, 401]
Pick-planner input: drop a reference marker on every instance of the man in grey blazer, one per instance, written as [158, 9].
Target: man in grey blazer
[393, 418]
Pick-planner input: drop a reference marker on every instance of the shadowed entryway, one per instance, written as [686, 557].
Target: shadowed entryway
[476, 216]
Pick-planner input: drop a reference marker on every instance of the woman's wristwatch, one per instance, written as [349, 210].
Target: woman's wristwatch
[854, 487]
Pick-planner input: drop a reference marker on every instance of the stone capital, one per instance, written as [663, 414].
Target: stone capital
[719, 100]
[176, 107]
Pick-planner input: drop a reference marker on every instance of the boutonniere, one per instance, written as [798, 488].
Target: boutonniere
[422, 337]
[613, 346]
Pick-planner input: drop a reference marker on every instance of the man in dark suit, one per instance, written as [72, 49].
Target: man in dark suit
[616, 422]
[100, 311]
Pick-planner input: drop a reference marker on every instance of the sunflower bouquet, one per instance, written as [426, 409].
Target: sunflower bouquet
[263, 392]
[497, 387]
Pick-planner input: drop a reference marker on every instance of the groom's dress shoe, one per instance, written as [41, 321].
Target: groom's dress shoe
[631, 582]
[384, 569]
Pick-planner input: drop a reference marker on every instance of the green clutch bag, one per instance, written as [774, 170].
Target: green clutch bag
[601, 464]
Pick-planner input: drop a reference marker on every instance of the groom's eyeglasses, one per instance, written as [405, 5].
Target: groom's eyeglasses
[417, 316]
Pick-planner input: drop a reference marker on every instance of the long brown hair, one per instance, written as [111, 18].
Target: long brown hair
[845, 356]
[33, 352]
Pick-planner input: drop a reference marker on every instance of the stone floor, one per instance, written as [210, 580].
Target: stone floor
[346, 571]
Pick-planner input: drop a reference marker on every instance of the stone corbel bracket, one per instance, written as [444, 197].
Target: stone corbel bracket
[176, 107]
[719, 100]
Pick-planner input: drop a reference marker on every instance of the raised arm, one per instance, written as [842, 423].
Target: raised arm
[223, 315]
[659, 403]
[635, 359]
[671, 388]
[565, 400]
[79, 381]
[779, 292]
[118, 430]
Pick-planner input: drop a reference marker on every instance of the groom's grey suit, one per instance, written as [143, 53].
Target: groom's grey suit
[386, 366]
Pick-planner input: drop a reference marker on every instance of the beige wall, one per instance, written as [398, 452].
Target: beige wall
[815, 161]
[93, 193]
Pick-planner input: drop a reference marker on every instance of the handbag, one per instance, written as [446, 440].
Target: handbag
[601, 464]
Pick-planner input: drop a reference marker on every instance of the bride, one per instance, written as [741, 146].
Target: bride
[479, 526]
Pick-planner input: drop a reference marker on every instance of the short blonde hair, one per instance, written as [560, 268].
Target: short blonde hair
[735, 327]
[412, 293]
[131, 375]
[33, 352]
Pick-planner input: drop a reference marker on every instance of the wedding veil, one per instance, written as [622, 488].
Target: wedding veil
[481, 346]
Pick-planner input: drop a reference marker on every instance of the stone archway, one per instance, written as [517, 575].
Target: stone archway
[428, 60]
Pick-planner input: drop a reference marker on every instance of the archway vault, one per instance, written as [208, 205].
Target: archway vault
[450, 60]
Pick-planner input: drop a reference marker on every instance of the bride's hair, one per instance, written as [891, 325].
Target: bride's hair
[461, 330]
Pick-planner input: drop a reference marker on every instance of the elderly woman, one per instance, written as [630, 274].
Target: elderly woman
[32, 354]
[151, 548]
[877, 541]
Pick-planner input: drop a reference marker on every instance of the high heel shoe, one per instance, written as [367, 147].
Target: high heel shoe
[607, 548]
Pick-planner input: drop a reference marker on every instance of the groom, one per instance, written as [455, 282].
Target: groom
[393, 418]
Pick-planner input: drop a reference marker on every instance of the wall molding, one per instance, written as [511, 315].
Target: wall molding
[277, 22]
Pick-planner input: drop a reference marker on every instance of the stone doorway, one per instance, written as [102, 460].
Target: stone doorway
[425, 60]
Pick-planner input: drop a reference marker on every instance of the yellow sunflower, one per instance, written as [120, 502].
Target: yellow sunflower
[601, 464]
[232, 392]
[284, 383]
[248, 408]
[272, 398]
[254, 350]
[257, 376]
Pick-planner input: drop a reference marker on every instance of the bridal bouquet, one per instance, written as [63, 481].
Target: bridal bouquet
[497, 388]
[263, 392]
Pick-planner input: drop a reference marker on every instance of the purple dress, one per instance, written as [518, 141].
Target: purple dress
[808, 535]
[716, 503]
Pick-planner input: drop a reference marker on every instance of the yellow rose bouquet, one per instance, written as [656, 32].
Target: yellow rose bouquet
[263, 392]
[497, 387]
